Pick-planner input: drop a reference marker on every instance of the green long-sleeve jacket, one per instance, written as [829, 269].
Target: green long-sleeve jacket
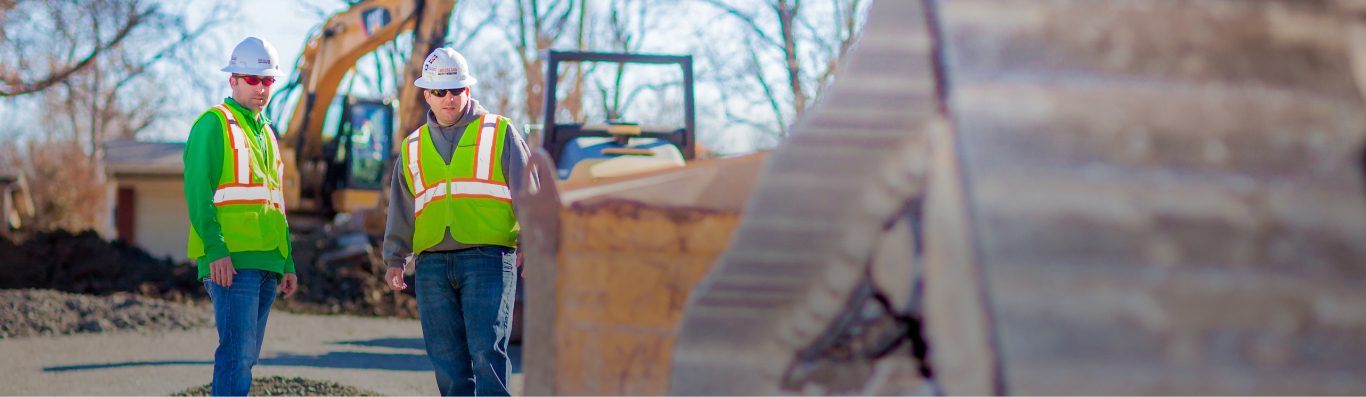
[203, 166]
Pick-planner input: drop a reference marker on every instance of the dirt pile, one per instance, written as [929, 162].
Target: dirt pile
[84, 263]
[87, 264]
[344, 284]
[43, 312]
[282, 386]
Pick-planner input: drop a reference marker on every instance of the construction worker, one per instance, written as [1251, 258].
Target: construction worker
[451, 206]
[238, 233]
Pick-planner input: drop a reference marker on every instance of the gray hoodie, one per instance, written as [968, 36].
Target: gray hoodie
[398, 233]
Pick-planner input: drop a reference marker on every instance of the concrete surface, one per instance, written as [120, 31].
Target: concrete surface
[378, 354]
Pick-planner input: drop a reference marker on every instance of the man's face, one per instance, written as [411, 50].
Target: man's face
[449, 105]
[252, 96]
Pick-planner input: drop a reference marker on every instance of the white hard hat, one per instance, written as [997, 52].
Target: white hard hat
[255, 57]
[445, 69]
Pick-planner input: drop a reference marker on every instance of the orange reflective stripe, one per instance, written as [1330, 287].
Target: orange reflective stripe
[234, 193]
[414, 160]
[461, 188]
[241, 193]
[232, 139]
[484, 148]
[241, 151]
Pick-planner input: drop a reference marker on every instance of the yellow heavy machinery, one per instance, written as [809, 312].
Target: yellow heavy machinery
[344, 172]
[995, 197]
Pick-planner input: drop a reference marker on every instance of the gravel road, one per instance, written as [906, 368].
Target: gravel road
[383, 355]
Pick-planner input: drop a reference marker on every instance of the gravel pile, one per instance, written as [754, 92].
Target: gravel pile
[44, 312]
[281, 386]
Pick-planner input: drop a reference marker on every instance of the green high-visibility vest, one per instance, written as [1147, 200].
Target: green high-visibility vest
[469, 196]
[249, 198]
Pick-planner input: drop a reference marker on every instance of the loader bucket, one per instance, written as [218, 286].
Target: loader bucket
[609, 264]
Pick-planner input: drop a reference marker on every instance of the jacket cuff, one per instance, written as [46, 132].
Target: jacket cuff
[214, 252]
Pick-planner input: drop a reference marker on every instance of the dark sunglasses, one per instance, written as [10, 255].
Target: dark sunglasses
[442, 93]
[253, 80]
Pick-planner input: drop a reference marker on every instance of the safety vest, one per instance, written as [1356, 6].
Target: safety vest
[249, 200]
[469, 196]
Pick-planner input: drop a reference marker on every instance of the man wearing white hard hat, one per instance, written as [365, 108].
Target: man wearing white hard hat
[238, 234]
[451, 206]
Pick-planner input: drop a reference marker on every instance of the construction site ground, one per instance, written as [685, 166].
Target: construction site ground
[383, 355]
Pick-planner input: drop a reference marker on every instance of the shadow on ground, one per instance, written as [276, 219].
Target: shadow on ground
[343, 359]
[393, 343]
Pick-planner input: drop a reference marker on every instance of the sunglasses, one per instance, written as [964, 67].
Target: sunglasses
[442, 93]
[253, 80]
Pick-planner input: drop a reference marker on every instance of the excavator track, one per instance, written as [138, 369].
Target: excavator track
[1057, 197]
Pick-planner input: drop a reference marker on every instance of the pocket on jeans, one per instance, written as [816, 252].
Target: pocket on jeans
[209, 287]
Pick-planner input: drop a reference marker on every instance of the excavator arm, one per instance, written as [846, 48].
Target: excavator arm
[331, 52]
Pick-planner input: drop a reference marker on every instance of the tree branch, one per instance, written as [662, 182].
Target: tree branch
[16, 87]
[768, 92]
[747, 19]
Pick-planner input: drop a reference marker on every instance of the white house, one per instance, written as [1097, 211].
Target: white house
[147, 195]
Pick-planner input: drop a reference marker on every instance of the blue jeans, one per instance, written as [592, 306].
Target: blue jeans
[240, 312]
[464, 299]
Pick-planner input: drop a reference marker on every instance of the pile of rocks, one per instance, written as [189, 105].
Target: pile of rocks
[43, 312]
[281, 386]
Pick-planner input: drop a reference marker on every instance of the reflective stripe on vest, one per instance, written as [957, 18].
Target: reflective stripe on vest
[414, 158]
[482, 186]
[466, 197]
[243, 191]
[248, 199]
[484, 162]
[456, 189]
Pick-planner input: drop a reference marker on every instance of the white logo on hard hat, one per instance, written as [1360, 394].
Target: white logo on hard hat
[445, 68]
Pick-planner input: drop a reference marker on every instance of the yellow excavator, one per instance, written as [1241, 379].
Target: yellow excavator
[1022, 197]
[338, 147]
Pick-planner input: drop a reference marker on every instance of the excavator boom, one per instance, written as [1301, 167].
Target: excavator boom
[332, 51]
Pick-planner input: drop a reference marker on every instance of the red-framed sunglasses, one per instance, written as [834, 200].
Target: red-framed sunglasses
[253, 80]
[442, 93]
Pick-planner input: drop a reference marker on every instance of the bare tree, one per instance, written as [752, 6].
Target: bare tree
[790, 34]
[25, 71]
[626, 30]
[538, 26]
[109, 64]
[105, 93]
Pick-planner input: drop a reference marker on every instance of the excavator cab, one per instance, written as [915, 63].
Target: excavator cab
[356, 141]
[615, 147]
[358, 152]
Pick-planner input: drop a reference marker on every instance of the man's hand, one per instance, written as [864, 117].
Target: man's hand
[394, 278]
[289, 285]
[521, 270]
[221, 271]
